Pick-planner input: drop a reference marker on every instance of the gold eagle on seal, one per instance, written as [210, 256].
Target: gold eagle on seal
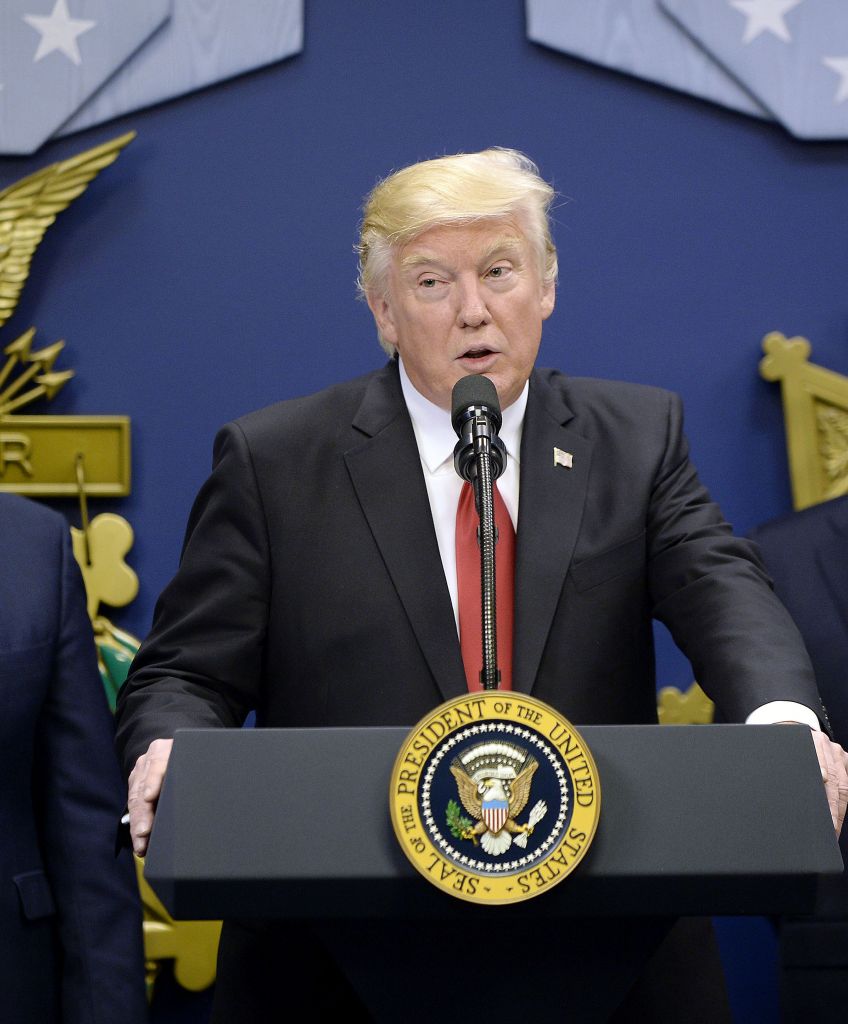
[494, 781]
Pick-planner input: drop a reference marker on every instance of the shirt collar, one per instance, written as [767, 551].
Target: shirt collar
[435, 435]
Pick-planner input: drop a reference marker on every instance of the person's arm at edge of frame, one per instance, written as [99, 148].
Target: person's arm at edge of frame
[79, 796]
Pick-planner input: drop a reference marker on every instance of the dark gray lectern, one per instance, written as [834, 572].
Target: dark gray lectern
[294, 824]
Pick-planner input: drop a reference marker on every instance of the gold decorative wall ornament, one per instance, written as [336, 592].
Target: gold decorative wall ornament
[815, 412]
[100, 551]
[692, 707]
[31, 205]
[38, 453]
[192, 945]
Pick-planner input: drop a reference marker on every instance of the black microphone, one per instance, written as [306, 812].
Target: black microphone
[476, 417]
[479, 457]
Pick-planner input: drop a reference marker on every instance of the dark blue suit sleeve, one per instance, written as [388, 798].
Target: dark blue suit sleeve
[80, 799]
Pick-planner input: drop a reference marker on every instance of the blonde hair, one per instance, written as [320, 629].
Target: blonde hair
[453, 190]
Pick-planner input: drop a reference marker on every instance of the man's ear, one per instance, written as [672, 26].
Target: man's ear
[548, 300]
[381, 310]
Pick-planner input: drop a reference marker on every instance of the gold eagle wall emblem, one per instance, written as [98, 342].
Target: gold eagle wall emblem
[31, 205]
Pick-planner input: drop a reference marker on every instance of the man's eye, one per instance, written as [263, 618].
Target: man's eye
[498, 272]
[427, 282]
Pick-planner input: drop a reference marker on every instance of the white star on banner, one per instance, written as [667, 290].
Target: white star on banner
[59, 31]
[765, 16]
[840, 66]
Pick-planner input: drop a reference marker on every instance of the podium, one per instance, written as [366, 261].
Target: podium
[293, 824]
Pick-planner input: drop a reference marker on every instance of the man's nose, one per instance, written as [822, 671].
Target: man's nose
[473, 311]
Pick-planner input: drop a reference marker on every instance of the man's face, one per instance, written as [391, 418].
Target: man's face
[465, 299]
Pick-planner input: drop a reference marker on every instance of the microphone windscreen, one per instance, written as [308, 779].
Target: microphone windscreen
[474, 390]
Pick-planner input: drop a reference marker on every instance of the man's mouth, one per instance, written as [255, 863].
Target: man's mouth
[478, 354]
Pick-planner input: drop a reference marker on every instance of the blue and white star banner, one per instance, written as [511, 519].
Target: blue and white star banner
[791, 54]
[782, 59]
[54, 54]
[70, 64]
[639, 38]
[205, 41]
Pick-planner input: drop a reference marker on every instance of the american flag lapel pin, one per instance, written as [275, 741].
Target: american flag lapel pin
[562, 458]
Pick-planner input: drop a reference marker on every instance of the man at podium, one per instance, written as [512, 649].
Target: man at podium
[321, 582]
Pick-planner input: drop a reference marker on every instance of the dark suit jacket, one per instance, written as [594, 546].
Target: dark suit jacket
[70, 921]
[311, 586]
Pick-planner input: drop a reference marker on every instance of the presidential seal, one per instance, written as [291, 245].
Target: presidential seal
[494, 797]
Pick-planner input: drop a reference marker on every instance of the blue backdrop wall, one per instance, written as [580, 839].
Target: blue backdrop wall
[211, 270]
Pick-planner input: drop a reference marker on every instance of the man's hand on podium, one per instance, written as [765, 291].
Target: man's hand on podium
[145, 785]
[833, 762]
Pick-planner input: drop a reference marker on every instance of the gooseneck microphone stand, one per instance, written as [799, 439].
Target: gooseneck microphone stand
[480, 458]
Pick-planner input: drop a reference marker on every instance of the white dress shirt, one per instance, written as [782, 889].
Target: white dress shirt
[436, 438]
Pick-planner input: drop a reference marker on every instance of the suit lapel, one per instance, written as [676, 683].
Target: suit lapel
[550, 509]
[385, 470]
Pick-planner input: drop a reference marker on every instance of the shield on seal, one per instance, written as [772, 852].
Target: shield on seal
[495, 813]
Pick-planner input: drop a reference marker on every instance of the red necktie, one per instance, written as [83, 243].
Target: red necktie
[468, 587]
